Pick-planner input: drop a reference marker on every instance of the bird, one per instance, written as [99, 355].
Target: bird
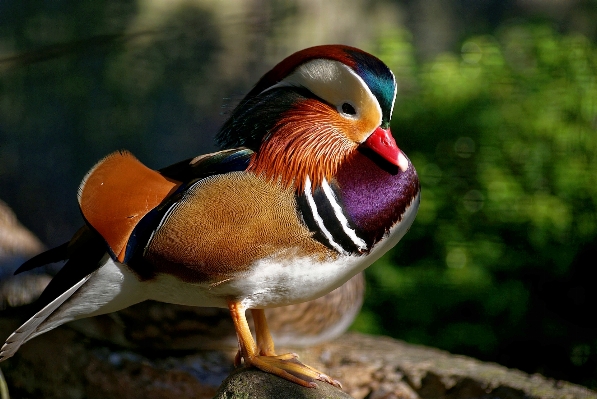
[308, 189]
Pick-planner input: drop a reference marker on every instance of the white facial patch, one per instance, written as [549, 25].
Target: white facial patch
[335, 83]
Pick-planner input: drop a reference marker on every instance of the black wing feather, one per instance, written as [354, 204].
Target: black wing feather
[53, 255]
[85, 259]
[233, 160]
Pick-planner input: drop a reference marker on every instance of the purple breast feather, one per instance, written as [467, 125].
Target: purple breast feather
[373, 198]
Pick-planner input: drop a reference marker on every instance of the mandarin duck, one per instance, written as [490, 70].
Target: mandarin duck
[309, 189]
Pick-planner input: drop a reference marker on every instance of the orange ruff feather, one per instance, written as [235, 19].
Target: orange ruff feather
[311, 141]
[115, 195]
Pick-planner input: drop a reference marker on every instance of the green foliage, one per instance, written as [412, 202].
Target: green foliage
[504, 139]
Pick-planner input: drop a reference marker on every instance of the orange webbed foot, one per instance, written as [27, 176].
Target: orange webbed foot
[290, 368]
[262, 354]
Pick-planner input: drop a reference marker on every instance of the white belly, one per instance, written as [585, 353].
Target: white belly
[269, 283]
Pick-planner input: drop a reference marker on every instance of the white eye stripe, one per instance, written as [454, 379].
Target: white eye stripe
[335, 83]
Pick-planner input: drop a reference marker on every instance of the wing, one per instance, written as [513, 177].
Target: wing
[202, 219]
[123, 200]
[131, 181]
[221, 225]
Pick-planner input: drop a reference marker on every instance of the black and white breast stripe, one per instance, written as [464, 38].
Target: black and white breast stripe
[323, 215]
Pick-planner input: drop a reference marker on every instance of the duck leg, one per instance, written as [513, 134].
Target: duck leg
[262, 354]
[265, 343]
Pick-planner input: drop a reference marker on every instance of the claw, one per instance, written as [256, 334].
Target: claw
[287, 366]
[337, 384]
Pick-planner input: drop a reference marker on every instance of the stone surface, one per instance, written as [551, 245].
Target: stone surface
[380, 367]
[16, 245]
[66, 364]
[254, 384]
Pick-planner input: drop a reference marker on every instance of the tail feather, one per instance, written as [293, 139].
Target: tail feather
[31, 329]
[84, 253]
[84, 260]
[50, 256]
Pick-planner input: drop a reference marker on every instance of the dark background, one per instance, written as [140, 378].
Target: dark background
[497, 109]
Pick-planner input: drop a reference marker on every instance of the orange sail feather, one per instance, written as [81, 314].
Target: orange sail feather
[117, 193]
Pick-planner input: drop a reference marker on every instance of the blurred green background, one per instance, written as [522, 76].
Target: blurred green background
[497, 109]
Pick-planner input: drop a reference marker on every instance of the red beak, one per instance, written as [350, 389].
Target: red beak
[382, 142]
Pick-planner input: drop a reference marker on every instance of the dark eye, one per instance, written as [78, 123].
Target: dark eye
[348, 109]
